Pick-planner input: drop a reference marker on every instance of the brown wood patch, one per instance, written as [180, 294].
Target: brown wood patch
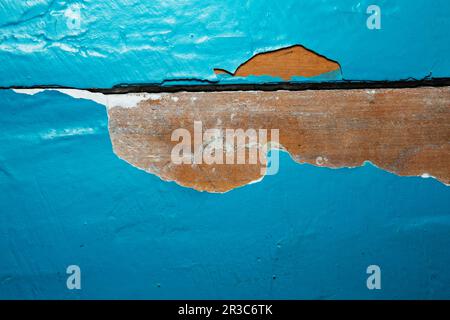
[404, 131]
[285, 63]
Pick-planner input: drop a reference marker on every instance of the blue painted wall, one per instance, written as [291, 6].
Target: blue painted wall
[306, 232]
[120, 41]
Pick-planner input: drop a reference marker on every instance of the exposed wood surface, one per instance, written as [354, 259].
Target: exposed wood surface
[404, 131]
[286, 63]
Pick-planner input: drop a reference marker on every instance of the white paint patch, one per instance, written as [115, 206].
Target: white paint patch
[129, 100]
[54, 134]
[185, 56]
[30, 92]
[92, 53]
[73, 12]
[64, 47]
[320, 161]
[202, 39]
[429, 176]
[256, 181]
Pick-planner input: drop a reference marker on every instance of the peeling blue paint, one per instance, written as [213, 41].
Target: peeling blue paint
[103, 43]
[306, 232]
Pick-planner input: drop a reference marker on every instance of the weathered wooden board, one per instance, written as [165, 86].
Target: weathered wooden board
[404, 131]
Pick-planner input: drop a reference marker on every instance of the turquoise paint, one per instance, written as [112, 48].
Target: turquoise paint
[122, 41]
[306, 232]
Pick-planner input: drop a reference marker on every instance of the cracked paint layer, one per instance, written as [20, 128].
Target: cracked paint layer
[285, 63]
[404, 131]
[75, 44]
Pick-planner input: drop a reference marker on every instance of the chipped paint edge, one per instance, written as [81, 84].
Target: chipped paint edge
[124, 101]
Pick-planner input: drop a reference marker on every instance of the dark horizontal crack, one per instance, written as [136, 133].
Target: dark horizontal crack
[211, 86]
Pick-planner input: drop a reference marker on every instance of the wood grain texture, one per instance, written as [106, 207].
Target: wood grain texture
[285, 63]
[404, 131]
